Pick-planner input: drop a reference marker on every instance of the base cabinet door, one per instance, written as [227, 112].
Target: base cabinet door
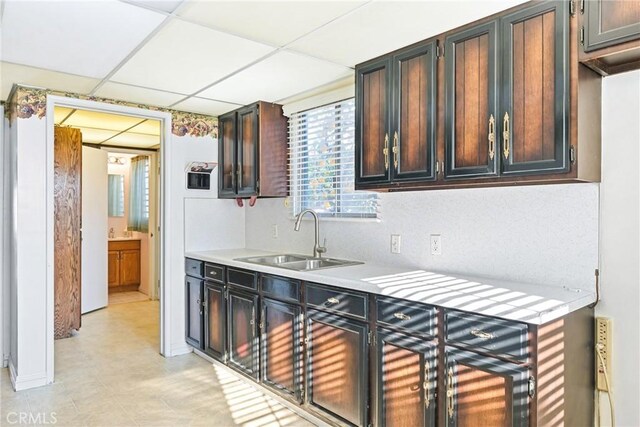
[484, 391]
[130, 267]
[243, 332]
[195, 315]
[281, 347]
[113, 269]
[407, 380]
[337, 367]
[215, 320]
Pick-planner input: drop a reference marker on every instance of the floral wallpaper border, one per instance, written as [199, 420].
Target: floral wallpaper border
[29, 102]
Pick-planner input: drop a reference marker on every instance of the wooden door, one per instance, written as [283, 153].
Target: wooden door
[194, 313]
[67, 159]
[337, 366]
[114, 269]
[471, 103]
[407, 380]
[534, 114]
[215, 320]
[373, 113]
[227, 155]
[608, 23]
[483, 391]
[414, 113]
[243, 332]
[247, 146]
[130, 267]
[281, 347]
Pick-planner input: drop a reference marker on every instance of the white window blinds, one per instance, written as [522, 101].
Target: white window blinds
[321, 162]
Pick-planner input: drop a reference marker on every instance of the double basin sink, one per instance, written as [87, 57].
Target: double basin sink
[298, 262]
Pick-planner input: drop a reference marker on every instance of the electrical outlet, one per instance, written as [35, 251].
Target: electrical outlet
[274, 231]
[436, 244]
[603, 346]
[395, 243]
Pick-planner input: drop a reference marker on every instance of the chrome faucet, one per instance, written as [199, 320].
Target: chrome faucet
[317, 249]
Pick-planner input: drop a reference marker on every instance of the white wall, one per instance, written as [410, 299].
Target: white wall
[619, 239]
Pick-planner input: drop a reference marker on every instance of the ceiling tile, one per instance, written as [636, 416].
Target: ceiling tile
[96, 136]
[150, 127]
[163, 5]
[97, 120]
[138, 94]
[20, 74]
[61, 113]
[185, 57]
[279, 76]
[137, 140]
[272, 22]
[87, 38]
[383, 26]
[205, 106]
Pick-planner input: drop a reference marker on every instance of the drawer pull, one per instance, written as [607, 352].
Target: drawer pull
[450, 401]
[482, 334]
[213, 273]
[331, 301]
[401, 316]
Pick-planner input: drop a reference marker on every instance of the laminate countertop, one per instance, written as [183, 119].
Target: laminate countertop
[534, 304]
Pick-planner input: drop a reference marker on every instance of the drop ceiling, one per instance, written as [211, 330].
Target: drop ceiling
[110, 130]
[210, 57]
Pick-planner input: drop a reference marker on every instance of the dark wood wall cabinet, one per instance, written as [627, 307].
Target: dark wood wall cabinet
[352, 358]
[610, 35]
[500, 101]
[252, 152]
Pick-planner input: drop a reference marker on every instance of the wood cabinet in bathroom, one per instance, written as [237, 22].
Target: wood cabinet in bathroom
[123, 265]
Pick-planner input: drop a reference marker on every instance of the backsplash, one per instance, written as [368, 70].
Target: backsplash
[536, 234]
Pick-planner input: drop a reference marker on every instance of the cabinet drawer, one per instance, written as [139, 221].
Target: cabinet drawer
[407, 315]
[493, 335]
[246, 279]
[193, 267]
[214, 272]
[281, 288]
[340, 301]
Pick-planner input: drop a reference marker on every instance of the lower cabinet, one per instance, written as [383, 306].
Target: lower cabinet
[337, 366]
[407, 380]
[484, 391]
[215, 320]
[194, 324]
[243, 332]
[282, 347]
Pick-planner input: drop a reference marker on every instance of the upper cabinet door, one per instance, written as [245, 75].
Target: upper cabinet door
[535, 97]
[247, 159]
[471, 102]
[373, 110]
[414, 112]
[227, 155]
[609, 23]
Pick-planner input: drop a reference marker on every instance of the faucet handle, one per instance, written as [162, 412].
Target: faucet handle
[322, 249]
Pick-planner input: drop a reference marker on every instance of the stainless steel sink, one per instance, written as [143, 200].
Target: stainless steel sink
[298, 262]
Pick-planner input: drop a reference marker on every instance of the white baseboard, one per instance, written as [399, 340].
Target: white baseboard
[179, 349]
[25, 382]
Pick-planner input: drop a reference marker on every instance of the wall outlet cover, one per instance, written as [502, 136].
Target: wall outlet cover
[435, 242]
[395, 243]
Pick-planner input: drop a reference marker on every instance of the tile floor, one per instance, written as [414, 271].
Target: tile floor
[126, 297]
[110, 374]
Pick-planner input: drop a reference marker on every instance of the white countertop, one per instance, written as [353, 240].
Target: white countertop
[119, 239]
[524, 302]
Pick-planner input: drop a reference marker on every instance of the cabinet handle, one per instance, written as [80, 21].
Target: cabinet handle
[331, 301]
[506, 131]
[385, 151]
[425, 385]
[239, 172]
[450, 401]
[233, 178]
[492, 137]
[395, 150]
[401, 316]
[482, 334]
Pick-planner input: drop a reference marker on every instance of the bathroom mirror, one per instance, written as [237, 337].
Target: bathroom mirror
[116, 195]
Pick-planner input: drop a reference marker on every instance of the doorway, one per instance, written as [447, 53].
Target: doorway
[120, 135]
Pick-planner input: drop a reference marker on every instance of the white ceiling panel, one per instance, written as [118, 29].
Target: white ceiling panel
[382, 26]
[205, 106]
[87, 38]
[20, 74]
[96, 136]
[97, 120]
[149, 127]
[273, 22]
[185, 57]
[61, 113]
[163, 5]
[277, 77]
[130, 139]
[137, 94]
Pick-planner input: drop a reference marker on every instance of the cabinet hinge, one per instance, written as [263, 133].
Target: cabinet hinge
[369, 337]
[439, 50]
[532, 387]
[302, 395]
[582, 6]
[572, 154]
[437, 168]
[572, 7]
[582, 35]
[257, 186]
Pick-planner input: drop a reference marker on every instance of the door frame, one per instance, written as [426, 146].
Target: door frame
[163, 221]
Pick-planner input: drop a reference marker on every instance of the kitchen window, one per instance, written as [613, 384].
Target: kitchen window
[321, 162]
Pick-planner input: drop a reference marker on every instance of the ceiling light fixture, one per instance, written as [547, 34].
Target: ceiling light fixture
[117, 160]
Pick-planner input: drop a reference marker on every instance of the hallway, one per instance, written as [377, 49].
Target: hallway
[110, 374]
